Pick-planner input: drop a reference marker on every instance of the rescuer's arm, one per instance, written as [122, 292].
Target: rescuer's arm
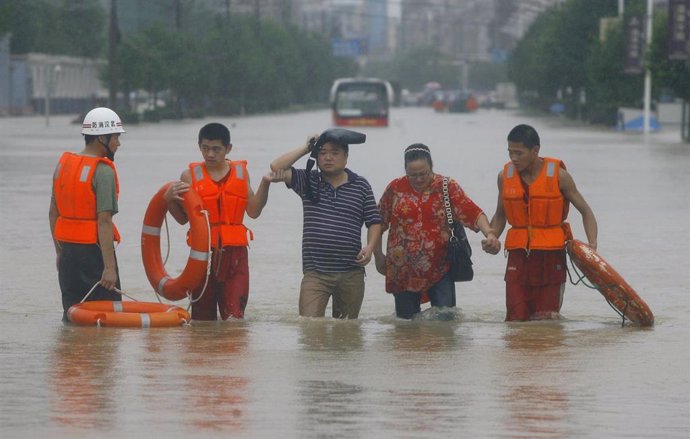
[491, 238]
[105, 241]
[173, 197]
[567, 186]
[498, 222]
[257, 200]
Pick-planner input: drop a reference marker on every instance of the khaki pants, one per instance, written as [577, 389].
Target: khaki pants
[346, 288]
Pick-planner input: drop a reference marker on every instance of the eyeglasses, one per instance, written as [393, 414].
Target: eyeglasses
[419, 175]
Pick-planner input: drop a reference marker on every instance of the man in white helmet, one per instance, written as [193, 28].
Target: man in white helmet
[84, 200]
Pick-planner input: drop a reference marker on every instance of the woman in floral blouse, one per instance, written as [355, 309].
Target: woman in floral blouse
[413, 212]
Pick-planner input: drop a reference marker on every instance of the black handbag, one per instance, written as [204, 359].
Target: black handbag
[459, 250]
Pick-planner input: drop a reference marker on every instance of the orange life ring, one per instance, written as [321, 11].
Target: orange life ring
[610, 284]
[127, 314]
[195, 270]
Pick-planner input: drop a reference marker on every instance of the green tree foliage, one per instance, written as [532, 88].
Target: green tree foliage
[553, 54]
[672, 75]
[527, 66]
[230, 66]
[6, 16]
[194, 59]
[64, 27]
[608, 86]
[562, 52]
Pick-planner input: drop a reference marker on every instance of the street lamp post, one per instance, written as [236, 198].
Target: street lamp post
[648, 73]
[51, 74]
[49, 86]
[11, 94]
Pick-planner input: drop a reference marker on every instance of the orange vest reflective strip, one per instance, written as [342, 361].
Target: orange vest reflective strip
[537, 223]
[226, 204]
[76, 200]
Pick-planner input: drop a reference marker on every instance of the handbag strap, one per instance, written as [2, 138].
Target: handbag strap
[449, 209]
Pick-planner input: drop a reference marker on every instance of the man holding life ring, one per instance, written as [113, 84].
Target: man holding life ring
[224, 187]
[82, 205]
[533, 197]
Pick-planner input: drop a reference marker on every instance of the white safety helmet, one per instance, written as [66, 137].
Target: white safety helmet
[100, 121]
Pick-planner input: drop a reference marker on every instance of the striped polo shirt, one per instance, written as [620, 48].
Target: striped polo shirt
[332, 229]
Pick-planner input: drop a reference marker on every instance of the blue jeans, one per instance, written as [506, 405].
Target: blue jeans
[408, 303]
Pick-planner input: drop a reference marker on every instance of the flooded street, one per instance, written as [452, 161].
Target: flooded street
[277, 375]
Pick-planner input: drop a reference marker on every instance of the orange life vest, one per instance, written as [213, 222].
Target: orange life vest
[537, 223]
[226, 203]
[76, 200]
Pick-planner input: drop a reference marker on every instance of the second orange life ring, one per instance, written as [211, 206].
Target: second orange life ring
[127, 314]
[617, 292]
[195, 270]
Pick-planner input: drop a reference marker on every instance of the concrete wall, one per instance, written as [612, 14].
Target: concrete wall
[71, 83]
[670, 113]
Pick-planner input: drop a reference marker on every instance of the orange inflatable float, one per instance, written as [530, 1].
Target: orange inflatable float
[195, 270]
[127, 314]
[610, 284]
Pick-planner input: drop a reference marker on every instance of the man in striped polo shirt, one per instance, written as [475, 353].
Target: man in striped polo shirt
[336, 206]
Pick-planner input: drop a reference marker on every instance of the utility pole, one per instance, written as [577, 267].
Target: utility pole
[113, 39]
[52, 72]
[648, 73]
[49, 86]
[257, 16]
[178, 15]
[285, 11]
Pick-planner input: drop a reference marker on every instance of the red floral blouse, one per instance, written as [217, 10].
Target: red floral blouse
[418, 232]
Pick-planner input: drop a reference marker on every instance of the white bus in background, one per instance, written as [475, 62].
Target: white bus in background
[361, 101]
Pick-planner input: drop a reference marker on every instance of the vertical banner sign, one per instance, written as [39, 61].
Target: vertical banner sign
[634, 45]
[679, 29]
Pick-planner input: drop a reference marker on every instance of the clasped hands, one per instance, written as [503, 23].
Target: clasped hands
[491, 244]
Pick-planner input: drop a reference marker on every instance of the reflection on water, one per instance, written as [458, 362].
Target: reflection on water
[537, 411]
[416, 412]
[84, 377]
[334, 406]
[217, 403]
[330, 334]
[531, 338]
[217, 394]
[423, 336]
[536, 407]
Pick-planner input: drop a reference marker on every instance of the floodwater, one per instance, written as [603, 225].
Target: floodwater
[277, 375]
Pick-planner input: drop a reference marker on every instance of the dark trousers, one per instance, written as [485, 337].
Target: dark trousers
[442, 293]
[80, 267]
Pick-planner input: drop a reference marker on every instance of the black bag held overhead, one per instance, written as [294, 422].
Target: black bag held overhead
[340, 136]
[459, 250]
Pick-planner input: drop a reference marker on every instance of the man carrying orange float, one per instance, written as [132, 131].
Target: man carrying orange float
[534, 194]
[84, 200]
[224, 187]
